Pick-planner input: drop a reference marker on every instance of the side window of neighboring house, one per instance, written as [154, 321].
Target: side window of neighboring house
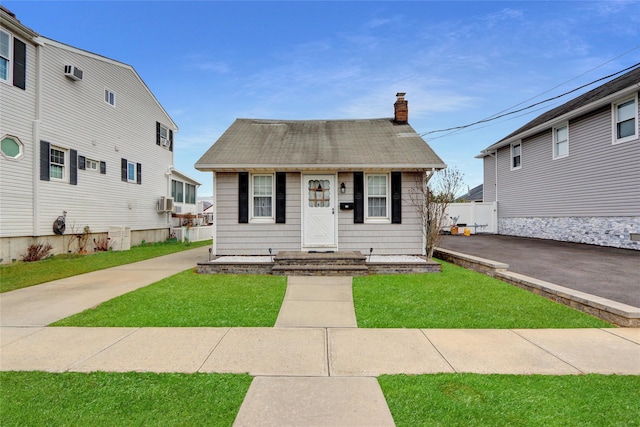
[164, 136]
[57, 163]
[13, 60]
[516, 156]
[110, 97]
[377, 197]
[625, 120]
[177, 191]
[262, 197]
[130, 171]
[190, 194]
[561, 141]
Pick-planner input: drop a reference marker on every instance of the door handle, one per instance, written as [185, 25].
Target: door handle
[333, 211]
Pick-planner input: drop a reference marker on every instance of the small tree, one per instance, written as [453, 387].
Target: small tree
[431, 197]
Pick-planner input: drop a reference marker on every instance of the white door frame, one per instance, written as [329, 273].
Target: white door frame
[327, 240]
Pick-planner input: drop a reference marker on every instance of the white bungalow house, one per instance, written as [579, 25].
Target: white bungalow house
[318, 185]
[83, 138]
[573, 173]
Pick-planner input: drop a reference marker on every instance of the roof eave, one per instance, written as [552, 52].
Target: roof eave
[559, 119]
[316, 167]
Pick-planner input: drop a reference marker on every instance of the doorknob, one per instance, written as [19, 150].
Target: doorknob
[333, 211]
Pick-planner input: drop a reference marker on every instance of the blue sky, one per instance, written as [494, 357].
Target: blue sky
[210, 62]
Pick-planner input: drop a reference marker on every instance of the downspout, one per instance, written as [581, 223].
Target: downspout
[214, 233]
[36, 138]
[168, 194]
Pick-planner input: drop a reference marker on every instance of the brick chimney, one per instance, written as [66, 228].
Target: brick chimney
[401, 109]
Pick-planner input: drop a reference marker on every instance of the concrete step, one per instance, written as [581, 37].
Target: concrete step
[319, 270]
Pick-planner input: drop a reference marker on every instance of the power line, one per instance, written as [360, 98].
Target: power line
[495, 117]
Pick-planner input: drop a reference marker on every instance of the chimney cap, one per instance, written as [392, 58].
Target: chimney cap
[401, 94]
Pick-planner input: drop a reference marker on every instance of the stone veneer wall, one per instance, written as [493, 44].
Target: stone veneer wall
[603, 231]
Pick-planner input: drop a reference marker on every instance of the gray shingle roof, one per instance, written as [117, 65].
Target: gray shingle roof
[620, 83]
[312, 144]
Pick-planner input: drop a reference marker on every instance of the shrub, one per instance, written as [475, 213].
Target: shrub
[102, 244]
[37, 251]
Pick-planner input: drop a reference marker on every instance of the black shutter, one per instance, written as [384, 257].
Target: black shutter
[138, 173]
[281, 197]
[103, 168]
[19, 64]
[45, 152]
[123, 164]
[243, 197]
[73, 167]
[157, 133]
[170, 140]
[82, 162]
[396, 197]
[358, 197]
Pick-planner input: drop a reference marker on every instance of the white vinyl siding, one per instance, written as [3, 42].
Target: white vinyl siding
[561, 141]
[254, 238]
[625, 120]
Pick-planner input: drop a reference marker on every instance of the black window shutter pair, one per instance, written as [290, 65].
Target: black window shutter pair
[243, 197]
[82, 165]
[45, 163]
[396, 197]
[19, 64]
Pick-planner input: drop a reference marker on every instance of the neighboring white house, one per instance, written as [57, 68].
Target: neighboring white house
[82, 136]
[187, 211]
[573, 173]
[318, 185]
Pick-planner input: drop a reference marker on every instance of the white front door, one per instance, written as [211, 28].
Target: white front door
[319, 212]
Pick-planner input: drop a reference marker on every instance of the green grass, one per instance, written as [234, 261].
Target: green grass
[191, 299]
[23, 274]
[457, 298]
[120, 399]
[512, 400]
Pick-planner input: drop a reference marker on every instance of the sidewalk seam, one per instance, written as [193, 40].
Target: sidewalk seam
[547, 351]
[206, 359]
[438, 351]
[80, 362]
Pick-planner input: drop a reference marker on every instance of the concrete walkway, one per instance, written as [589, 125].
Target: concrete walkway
[311, 369]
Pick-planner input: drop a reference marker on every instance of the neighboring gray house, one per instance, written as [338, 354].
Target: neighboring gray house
[573, 173]
[318, 185]
[81, 134]
[473, 195]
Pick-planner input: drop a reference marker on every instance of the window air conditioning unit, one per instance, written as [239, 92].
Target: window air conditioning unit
[73, 72]
[164, 142]
[165, 204]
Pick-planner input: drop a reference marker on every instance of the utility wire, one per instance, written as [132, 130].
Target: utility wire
[495, 117]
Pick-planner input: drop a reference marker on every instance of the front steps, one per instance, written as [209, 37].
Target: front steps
[348, 263]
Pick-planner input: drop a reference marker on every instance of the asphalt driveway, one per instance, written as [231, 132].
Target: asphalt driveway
[610, 273]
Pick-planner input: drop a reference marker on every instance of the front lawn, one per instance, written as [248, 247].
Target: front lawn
[23, 274]
[512, 400]
[120, 399]
[189, 299]
[457, 298]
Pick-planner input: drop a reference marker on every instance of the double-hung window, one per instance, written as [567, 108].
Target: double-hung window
[561, 141]
[57, 163]
[516, 156]
[190, 194]
[625, 119]
[5, 56]
[377, 197]
[262, 197]
[177, 191]
[131, 172]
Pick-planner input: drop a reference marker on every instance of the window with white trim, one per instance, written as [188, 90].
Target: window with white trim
[92, 165]
[625, 120]
[57, 157]
[516, 156]
[5, 56]
[190, 194]
[561, 141]
[377, 197]
[11, 147]
[109, 97]
[262, 197]
[131, 172]
[177, 191]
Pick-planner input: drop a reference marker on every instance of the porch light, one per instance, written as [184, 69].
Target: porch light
[343, 189]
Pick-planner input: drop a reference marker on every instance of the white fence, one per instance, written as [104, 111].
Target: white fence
[477, 217]
[193, 234]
